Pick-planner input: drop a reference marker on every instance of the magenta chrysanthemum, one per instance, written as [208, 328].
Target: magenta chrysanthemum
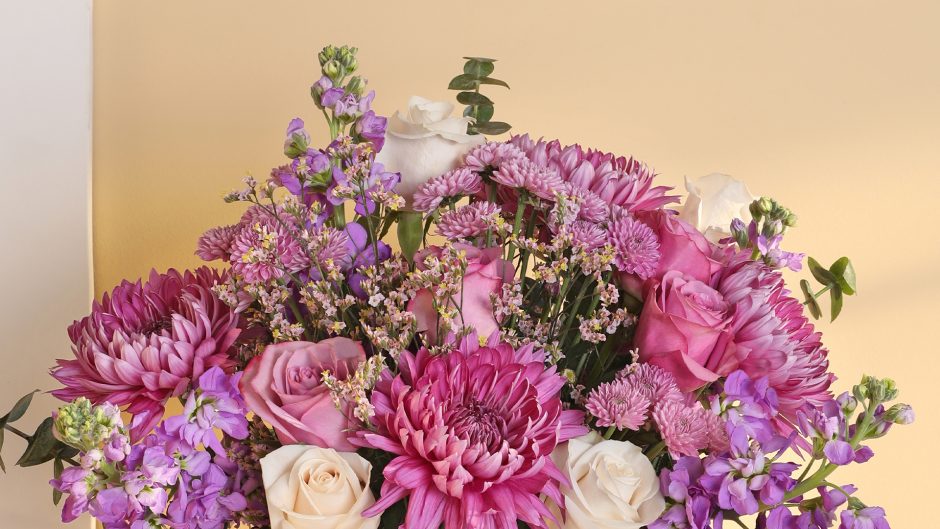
[542, 182]
[452, 184]
[265, 248]
[469, 221]
[472, 431]
[654, 382]
[590, 206]
[618, 404]
[587, 235]
[147, 342]
[490, 156]
[636, 247]
[685, 428]
[773, 338]
[216, 243]
[619, 181]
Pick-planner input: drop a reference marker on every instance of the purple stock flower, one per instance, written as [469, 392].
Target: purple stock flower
[864, 518]
[114, 508]
[371, 127]
[828, 424]
[205, 502]
[74, 481]
[693, 504]
[215, 404]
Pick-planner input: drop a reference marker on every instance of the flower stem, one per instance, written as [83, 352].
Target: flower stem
[656, 450]
[18, 432]
[610, 432]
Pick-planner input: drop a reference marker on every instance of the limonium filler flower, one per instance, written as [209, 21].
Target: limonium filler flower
[472, 432]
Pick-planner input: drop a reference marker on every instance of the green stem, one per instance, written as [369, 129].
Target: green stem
[516, 225]
[610, 432]
[18, 432]
[339, 216]
[656, 450]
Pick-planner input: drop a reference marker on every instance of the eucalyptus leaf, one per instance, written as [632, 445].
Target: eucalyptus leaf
[811, 303]
[480, 59]
[492, 128]
[482, 113]
[821, 274]
[43, 446]
[492, 81]
[478, 69]
[463, 82]
[57, 468]
[473, 98]
[19, 409]
[835, 298]
[845, 273]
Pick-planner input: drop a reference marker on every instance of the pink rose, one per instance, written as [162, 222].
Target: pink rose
[282, 386]
[683, 329]
[682, 247]
[485, 275]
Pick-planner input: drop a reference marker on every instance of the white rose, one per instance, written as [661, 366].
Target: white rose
[424, 141]
[308, 487]
[714, 201]
[613, 485]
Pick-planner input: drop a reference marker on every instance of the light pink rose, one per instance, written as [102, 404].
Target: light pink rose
[485, 275]
[283, 387]
[683, 329]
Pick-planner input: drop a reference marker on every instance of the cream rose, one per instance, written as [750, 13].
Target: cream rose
[424, 141]
[308, 487]
[714, 201]
[613, 485]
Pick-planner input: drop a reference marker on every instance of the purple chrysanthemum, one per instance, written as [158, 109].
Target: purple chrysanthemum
[656, 383]
[685, 428]
[265, 248]
[619, 181]
[452, 184]
[216, 243]
[491, 156]
[472, 431]
[469, 221]
[635, 244]
[540, 181]
[618, 404]
[592, 208]
[587, 235]
[147, 342]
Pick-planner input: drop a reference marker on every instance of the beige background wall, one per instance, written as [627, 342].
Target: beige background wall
[832, 107]
[45, 214]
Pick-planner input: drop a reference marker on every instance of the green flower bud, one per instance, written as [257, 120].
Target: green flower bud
[334, 70]
[891, 389]
[766, 205]
[900, 414]
[81, 425]
[356, 85]
[790, 221]
[755, 210]
[327, 54]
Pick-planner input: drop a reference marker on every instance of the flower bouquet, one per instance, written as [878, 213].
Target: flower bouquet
[549, 345]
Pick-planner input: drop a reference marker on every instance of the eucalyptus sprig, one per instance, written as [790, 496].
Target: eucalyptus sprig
[477, 72]
[838, 280]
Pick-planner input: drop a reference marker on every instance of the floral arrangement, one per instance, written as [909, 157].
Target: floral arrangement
[551, 344]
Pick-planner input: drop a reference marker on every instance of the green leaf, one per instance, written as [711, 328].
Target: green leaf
[821, 274]
[845, 273]
[490, 80]
[480, 59]
[473, 98]
[463, 82]
[43, 446]
[811, 303]
[478, 68]
[482, 113]
[492, 128]
[57, 468]
[19, 409]
[835, 298]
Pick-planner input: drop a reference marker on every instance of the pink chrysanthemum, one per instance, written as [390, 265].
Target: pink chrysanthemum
[685, 428]
[619, 181]
[773, 338]
[469, 221]
[654, 382]
[265, 248]
[472, 431]
[216, 243]
[542, 182]
[147, 342]
[491, 156]
[587, 235]
[452, 184]
[618, 404]
[591, 207]
[635, 244]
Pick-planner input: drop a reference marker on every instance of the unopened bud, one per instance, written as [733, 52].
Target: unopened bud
[334, 70]
[790, 221]
[766, 205]
[356, 85]
[327, 54]
[900, 414]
